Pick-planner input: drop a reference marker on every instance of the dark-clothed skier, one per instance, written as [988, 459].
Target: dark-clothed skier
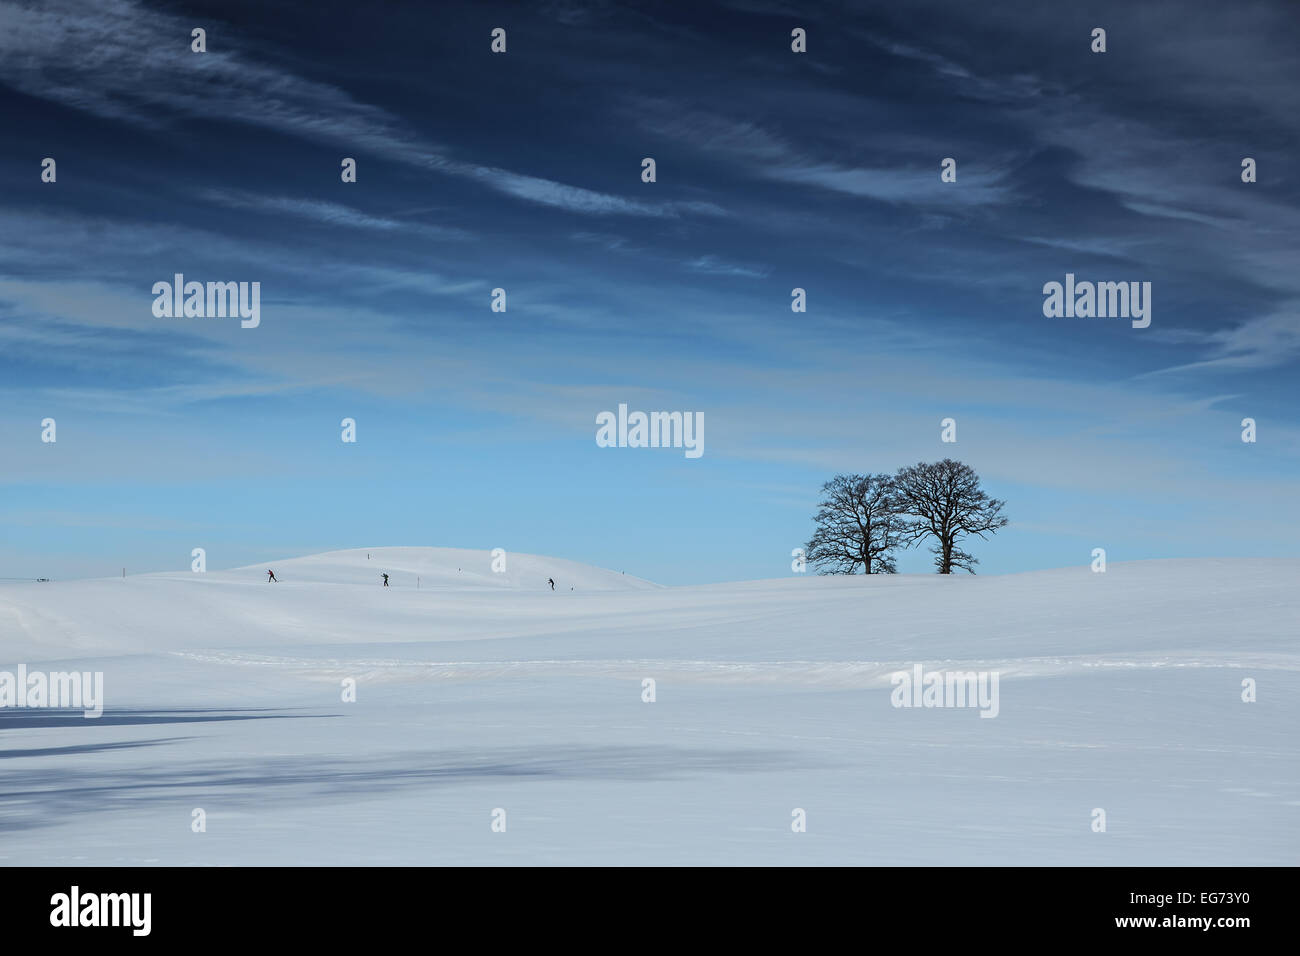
[385, 580]
[270, 576]
[551, 581]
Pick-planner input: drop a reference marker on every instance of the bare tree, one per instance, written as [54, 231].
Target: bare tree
[945, 502]
[857, 526]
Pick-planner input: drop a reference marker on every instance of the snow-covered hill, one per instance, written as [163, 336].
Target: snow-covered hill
[433, 593]
[456, 568]
[475, 690]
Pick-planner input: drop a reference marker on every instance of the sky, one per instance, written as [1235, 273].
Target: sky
[522, 171]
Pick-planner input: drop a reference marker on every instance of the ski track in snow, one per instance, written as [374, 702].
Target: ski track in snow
[845, 674]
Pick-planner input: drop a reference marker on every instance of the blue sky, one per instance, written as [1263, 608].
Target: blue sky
[522, 171]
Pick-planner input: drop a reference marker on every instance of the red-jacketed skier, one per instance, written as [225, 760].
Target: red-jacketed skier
[270, 576]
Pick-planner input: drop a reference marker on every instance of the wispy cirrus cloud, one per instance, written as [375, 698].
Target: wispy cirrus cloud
[714, 266]
[920, 186]
[547, 192]
[330, 213]
[1268, 341]
[765, 154]
[122, 61]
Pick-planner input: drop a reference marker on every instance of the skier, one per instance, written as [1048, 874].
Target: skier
[270, 576]
[385, 580]
[551, 581]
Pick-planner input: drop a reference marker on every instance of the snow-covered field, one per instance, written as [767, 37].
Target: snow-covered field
[477, 691]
